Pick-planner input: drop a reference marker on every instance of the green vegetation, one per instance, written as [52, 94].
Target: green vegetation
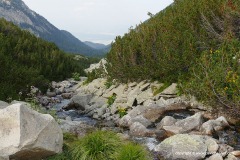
[122, 111]
[111, 99]
[192, 42]
[30, 61]
[76, 76]
[104, 145]
[131, 151]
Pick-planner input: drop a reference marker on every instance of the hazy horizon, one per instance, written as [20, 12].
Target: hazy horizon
[94, 20]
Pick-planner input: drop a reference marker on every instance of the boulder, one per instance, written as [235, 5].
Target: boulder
[4, 157]
[236, 153]
[231, 157]
[212, 126]
[51, 94]
[172, 130]
[154, 113]
[125, 121]
[191, 123]
[67, 95]
[183, 146]
[171, 90]
[79, 102]
[132, 95]
[44, 100]
[3, 104]
[144, 95]
[138, 129]
[216, 156]
[26, 134]
[166, 121]
[142, 120]
[225, 149]
[75, 127]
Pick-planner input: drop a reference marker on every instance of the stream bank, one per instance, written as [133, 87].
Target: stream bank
[136, 112]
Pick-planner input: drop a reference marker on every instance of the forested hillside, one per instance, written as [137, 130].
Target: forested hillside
[26, 60]
[192, 42]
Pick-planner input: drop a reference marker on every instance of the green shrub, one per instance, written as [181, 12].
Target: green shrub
[215, 78]
[111, 99]
[76, 76]
[108, 83]
[131, 151]
[122, 111]
[95, 146]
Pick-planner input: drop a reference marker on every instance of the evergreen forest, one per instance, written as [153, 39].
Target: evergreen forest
[195, 43]
[26, 61]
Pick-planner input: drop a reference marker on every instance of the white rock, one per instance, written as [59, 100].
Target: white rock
[216, 156]
[3, 104]
[27, 134]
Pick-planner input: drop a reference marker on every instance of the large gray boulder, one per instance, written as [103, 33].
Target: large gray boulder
[75, 127]
[79, 102]
[166, 121]
[191, 123]
[184, 146]
[3, 104]
[26, 134]
[212, 126]
[139, 130]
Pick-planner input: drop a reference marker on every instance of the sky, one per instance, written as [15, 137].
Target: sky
[98, 21]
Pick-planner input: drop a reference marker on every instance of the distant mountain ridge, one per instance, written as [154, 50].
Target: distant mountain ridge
[17, 12]
[99, 46]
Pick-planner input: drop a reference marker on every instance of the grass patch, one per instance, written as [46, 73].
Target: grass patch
[131, 151]
[100, 145]
[160, 89]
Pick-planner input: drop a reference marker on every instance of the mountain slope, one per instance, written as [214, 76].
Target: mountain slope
[17, 12]
[193, 42]
[27, 60]
[99, 46]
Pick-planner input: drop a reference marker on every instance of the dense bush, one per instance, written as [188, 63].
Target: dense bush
[27, 60]
[192, 42]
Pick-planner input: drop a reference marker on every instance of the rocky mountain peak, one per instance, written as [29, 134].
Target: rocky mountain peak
[19, 13]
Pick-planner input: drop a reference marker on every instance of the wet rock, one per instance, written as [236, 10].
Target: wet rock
[183, 146]
[191, 123]
[4, 157]
[125, 121]
[79, 102]
[44, 100]
[211, 126]
[154, 113]
[231, 157]
[142, 120]
[138, 129]
[212, 145]
[161, 135]
[166, 121]
[67, 95]
[236, 153]
[51, 94]
[216, 156]
[224, 149]
[172, 130]
[75, 127]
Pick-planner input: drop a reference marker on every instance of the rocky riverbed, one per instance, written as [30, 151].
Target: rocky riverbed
[170, 126]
